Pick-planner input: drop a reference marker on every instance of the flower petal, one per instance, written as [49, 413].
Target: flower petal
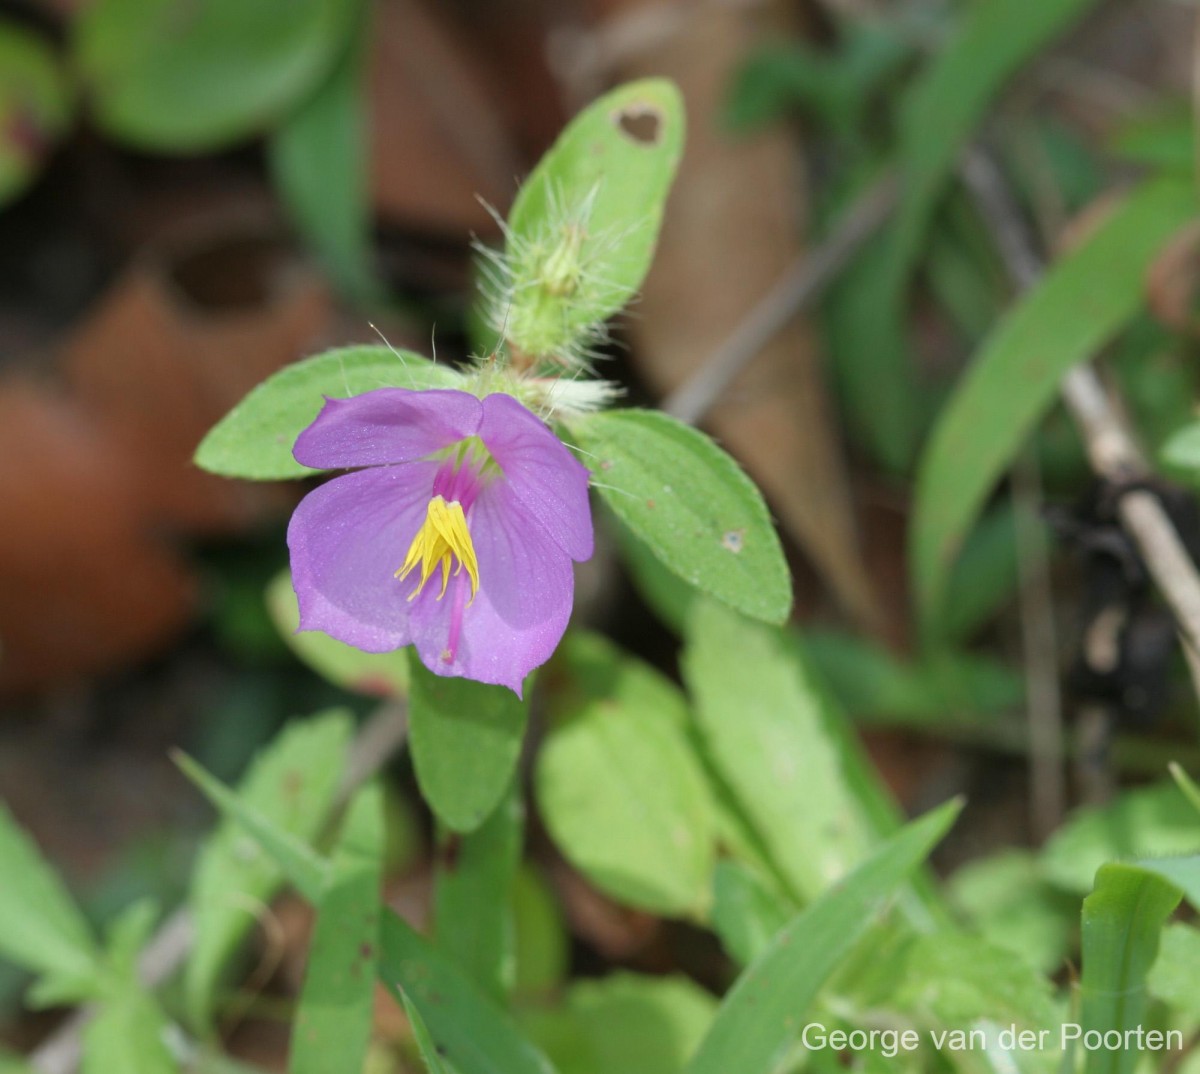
[526, 587]
[388, 425]
[347, 538]
[542, 474]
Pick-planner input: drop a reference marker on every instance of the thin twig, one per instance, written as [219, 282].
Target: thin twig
[1111, 448]
[801, 284]
[377, 740]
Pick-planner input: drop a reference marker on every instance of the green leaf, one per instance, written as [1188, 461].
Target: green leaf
[12, 1064]
[429, 1053]
[1122, 920]
[938, 117]
[984, 577]
[1173, 977]
[465, 738]
[627, 1024]
[466, 1027]
[254, 440]
[35, 107]
[582, 231]
[374, 674]
[619, 787]
[337, 1003]
[1181, 452]
[291, 786]
[302, 866]
[767, 733]
[473, 896]
[174, 79]
[318, 157]
[40, 926]
[129, 1034]
[1162, 138]
[963, 981]
[1149, 821]
[691, 505]
[541, 941]
[762, 1014]
[1083, 300]
[747, 912]
[1006, 899]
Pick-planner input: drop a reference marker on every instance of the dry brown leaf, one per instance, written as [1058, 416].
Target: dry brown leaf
[178, 340]
[438, 142]
[82, 584]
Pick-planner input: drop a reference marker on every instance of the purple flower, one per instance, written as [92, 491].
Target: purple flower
[455, 532]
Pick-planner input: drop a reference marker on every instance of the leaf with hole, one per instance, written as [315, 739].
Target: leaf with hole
[582, 231]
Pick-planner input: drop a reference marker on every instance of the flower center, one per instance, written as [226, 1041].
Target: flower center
[442, 541]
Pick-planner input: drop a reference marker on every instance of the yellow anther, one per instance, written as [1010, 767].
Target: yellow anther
[442, 541]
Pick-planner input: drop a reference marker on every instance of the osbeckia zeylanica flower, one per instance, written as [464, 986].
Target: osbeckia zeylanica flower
[455, 532]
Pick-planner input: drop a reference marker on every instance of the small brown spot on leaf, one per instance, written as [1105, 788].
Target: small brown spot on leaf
[606, 464]
[640, 123]
[651, 504]
[734, 540]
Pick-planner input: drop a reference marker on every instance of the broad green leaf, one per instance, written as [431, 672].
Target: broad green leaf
[582, 231]
[1173, 978]
[291, 785]
[129, 1034]
[429, 1053]
[938, 117]
[627, 1023]
[465, 738]
[668, 595]
[619, 786]
[40, 926]
[254, 440]
[691, 505]
[466, 1027]
[166, 78]
[747, 912]
[1122, 920]
[962, 981]
[318, 157]
[35, 107]
[375, 674]
[1006, 899]
[1083, 300]
[1150, 821]
[337, 1003]
[1182, 871]
[761, 1016]
[473, 896]
[766, 729]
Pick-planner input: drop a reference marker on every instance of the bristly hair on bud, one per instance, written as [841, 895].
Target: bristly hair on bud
[540, 291]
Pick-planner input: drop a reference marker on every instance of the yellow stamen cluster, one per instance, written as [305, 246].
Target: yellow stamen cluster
[443, 540]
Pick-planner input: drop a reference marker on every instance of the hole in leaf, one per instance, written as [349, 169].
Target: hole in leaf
[641, 123]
